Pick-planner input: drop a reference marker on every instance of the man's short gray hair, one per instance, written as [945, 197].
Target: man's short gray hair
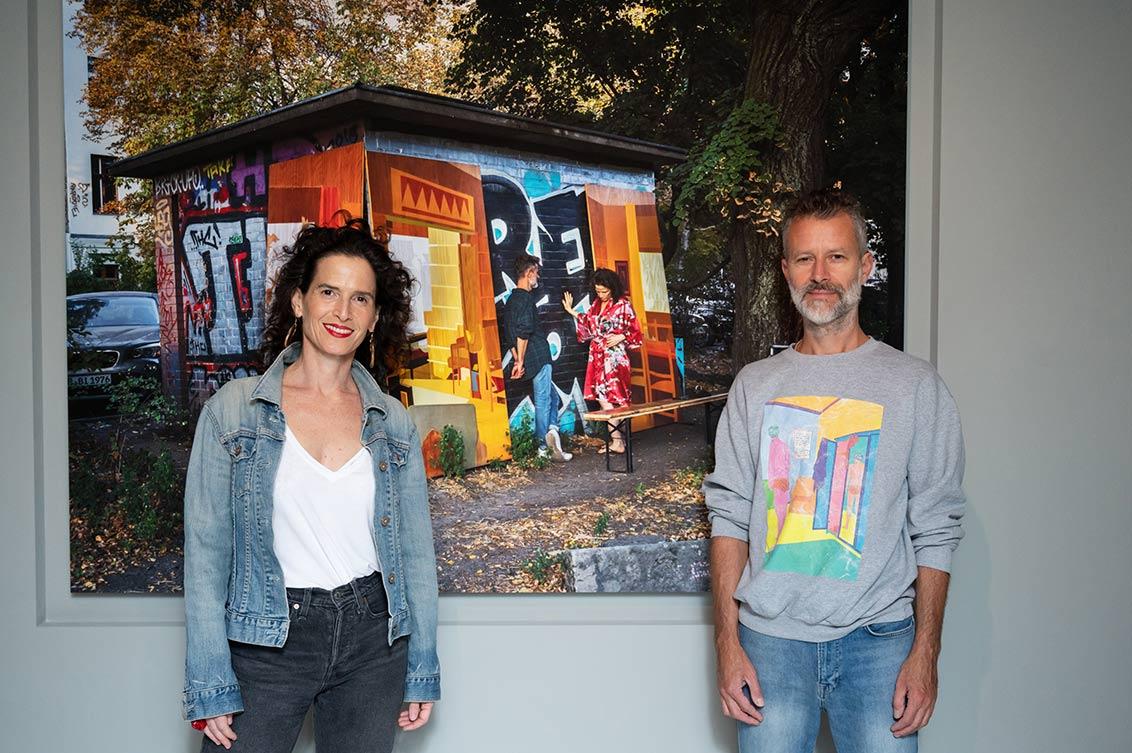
[824, 204]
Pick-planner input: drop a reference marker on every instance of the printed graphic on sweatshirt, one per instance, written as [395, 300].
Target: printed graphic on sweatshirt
[818, 462]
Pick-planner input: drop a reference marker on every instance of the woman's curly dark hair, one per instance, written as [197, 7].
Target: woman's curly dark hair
[393, 299]
[609, 279]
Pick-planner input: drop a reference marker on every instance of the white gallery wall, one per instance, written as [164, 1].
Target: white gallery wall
[1019, 271]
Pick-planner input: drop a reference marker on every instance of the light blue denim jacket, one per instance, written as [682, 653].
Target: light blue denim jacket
[233, 583]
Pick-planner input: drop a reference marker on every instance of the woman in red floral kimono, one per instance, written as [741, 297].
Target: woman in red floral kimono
[612, 328]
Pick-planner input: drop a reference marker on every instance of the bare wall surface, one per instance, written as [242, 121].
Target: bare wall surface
[1034, 339]
[1030, 330]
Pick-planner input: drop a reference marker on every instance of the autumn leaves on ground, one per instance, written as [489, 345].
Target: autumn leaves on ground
[498, 529]
[504, 530]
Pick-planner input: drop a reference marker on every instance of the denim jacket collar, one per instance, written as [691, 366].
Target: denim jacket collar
[270, 387]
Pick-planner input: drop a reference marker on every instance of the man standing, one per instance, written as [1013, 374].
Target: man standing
[531, 355]
[835, 507]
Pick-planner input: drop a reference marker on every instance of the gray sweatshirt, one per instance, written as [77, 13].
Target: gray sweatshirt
[843, 473]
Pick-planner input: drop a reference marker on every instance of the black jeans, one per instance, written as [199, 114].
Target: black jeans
[337, 657]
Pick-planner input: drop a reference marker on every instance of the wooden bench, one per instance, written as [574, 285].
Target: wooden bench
[711, 403]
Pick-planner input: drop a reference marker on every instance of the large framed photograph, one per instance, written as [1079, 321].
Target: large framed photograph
[173, 251]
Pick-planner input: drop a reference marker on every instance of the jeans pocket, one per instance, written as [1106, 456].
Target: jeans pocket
[297, 605]
[375, 604]
[891, 629]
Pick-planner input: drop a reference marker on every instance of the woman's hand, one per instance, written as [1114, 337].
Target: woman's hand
[414, 715]
[568, 304]
[219, 730]
[613, 340]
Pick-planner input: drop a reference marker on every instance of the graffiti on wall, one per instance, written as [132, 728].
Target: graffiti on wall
[166, 268]
[233, 184]
[211, 244]
[205, 378]
[319, 141]
[222, 282]
[531, 212]
[78, 195]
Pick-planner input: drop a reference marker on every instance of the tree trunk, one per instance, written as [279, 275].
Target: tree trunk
[797, 51]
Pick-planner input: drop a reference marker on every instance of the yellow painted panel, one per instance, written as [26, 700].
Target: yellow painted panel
[809, 402]
[850, 416]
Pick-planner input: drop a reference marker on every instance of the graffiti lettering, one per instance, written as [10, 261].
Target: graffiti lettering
[233, 184]
[163, 222]
[222, 267]
[166, 300]
[218, 169]
[80, 197]
[210, 237]
[187, 180]
[206, 378]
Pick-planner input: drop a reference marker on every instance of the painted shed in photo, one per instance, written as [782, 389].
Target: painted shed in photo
[459, 191]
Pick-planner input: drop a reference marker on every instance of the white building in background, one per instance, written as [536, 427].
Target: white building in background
[89, 187]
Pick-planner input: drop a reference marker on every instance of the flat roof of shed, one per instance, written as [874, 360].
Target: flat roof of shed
[391, 108]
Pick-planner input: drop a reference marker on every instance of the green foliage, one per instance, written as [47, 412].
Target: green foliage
[601, 525]
[865, 152]
[166, 71]
[525, 446]
[83, 278]
[140, 399]
[135, 271]
[451, 452]
[663, 70]
[150, 493]
[676, 72]
[639, 489]
[693, 475]
[88, 488]
[542, 564]
[726, 173]
[495, 465]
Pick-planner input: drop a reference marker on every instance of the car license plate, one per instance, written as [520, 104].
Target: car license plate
[90, 380]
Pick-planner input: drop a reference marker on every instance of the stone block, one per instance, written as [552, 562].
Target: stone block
[661, 567]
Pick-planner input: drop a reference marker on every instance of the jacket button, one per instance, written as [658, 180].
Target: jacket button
[384, 520]
[392, 578]
[238, 450]
[383, 465]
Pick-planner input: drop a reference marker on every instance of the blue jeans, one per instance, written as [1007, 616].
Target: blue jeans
[336, 659]
[852, 678]
[547, 403]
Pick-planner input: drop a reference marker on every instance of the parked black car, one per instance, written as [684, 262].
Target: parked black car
[110, 336]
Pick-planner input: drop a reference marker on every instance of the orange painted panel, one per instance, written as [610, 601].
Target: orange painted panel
[335, 170]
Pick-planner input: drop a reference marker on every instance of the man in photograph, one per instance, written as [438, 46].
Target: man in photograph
[835, 507]
[530, 353]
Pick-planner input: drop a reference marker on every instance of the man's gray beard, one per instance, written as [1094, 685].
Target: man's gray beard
[821, 315]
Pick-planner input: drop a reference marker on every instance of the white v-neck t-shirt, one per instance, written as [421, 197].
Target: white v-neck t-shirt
[323, 519]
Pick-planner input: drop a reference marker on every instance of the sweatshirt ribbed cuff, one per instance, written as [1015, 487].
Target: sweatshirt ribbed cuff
[935, 557]
[724, 527]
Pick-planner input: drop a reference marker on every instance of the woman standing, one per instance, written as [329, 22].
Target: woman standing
[612, 328]
[310, 577]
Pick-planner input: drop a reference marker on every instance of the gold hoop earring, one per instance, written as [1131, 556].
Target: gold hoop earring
[373, 349]
[291, 332]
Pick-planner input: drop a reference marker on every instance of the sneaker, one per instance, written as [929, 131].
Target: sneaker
[554, 443]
